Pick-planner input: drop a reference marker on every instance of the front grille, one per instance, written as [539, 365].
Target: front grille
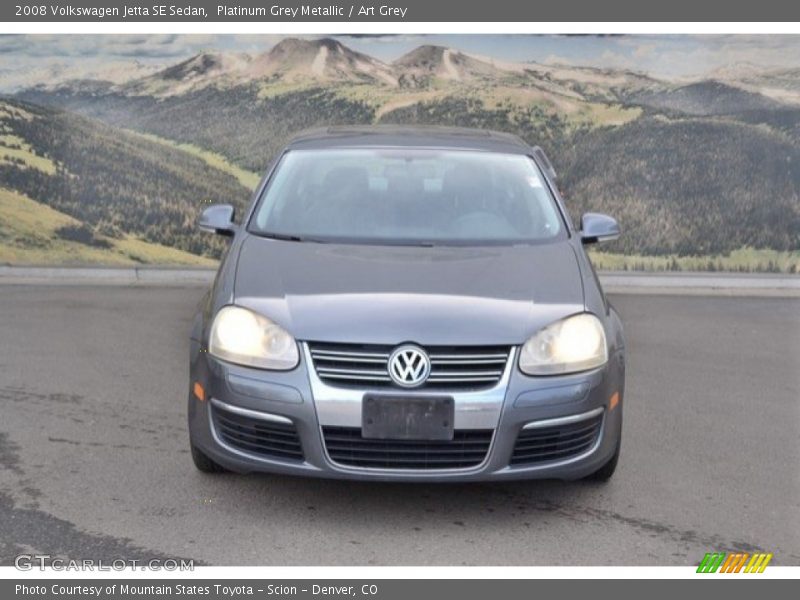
[257, 436]
[556, 443]
[452, 367]
[467, 449]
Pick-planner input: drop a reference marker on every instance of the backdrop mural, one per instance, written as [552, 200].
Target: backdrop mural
[110, 145]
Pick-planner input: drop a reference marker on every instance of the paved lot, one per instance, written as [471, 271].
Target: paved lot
[94, 461]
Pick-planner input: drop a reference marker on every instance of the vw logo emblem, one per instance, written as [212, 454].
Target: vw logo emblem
[409, 366]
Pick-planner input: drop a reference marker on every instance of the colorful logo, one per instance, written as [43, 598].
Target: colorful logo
[734, 562]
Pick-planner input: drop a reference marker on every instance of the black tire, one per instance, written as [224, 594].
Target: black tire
[203, 463]
[605, 472]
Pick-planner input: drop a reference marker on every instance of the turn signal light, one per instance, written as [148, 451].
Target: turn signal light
[614, 401]
[199, 392]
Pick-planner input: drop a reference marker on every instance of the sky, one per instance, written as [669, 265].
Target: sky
[30, 59]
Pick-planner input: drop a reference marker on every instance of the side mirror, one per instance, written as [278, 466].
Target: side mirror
[218, 219]
[598, 228]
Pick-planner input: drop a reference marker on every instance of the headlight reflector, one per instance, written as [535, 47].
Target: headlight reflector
[577, 343]
[241, 336]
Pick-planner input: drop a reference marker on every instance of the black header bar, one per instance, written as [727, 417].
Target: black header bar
[391, 11]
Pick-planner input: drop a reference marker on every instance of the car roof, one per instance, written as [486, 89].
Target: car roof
[360, 136]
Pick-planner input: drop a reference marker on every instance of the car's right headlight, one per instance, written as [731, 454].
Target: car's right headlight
[244, 337]
[577, 343]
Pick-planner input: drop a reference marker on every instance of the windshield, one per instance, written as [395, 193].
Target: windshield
[407, 196]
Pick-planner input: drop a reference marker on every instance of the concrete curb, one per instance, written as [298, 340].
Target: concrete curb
[694, 279]
[714, 284]
[105, 275]
[733, 284]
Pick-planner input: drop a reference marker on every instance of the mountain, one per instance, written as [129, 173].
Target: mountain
[114, 189]
[592, 83]
[708, 97]
[201, 66]
[782, 85]
[320, 60]
[736, 71]
[203, 69]
[73, 74]
[88, 87]
[291, 61]
[432, 66]
[427, 63]
[294, 64]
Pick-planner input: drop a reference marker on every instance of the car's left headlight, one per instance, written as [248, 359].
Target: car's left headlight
[244, 337]
[577, 343]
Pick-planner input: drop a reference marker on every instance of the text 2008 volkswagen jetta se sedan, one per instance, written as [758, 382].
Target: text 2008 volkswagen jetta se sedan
[407, 304]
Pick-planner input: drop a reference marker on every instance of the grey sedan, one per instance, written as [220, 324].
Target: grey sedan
[407, 304]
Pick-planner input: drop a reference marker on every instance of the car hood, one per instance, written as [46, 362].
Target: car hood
[391, 294]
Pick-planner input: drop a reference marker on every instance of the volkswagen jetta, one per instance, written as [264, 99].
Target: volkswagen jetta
[407, 304]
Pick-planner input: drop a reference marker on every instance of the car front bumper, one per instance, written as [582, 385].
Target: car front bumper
[298, 399]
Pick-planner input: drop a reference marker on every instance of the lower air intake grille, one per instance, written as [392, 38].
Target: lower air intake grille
[556, 443]
[257, 436]
[467, 449]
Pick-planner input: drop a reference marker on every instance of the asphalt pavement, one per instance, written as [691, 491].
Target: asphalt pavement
[94, 458]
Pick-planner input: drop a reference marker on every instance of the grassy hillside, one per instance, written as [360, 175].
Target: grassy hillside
[120, 185]
[688, 187]
[232, 122]
[248, 179]
[34, 234]
[704, 98]
[678, 185]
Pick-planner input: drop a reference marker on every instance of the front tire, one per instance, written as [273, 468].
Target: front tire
[203, 463]
[605, 472]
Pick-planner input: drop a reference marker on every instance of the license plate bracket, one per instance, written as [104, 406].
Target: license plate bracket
[395, 417]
